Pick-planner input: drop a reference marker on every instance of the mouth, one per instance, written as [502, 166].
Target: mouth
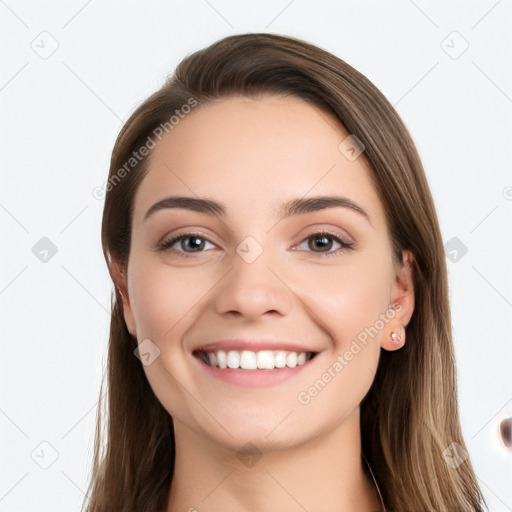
[249, 360]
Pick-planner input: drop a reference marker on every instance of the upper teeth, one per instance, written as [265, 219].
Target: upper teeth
[248, 360]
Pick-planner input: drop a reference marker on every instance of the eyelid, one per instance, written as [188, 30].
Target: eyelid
[335, 232]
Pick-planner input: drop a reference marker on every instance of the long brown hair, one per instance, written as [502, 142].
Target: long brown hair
[409, 417]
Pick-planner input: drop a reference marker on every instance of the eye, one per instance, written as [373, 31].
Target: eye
[321, 240]
[325, 242]
[193, 241]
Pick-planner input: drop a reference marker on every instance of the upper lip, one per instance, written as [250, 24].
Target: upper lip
[254, 345]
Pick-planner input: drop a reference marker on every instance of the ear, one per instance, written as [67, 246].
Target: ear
[402, 301]
[120, 278]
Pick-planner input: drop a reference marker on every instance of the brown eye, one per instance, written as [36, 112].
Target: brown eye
[323, 243]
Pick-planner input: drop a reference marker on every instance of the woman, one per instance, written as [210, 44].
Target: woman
[280, 335]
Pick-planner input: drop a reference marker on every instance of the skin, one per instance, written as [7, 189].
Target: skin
[253, 154]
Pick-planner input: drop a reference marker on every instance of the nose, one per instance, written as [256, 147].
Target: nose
[253, 289]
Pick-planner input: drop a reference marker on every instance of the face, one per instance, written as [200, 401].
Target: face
[260, 280]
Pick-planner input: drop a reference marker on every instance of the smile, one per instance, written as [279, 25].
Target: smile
[249, 360]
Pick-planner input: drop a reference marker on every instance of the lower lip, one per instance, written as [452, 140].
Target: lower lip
[252, 378]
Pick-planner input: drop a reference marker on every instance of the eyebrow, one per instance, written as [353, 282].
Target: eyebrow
[286, 209]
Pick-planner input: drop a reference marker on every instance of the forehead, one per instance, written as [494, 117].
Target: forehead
[254, 153]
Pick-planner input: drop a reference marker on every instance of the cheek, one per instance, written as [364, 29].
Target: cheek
[161, 296]
[348, 298]
[349, 304]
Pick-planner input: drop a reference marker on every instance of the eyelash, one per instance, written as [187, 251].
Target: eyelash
[165, 245]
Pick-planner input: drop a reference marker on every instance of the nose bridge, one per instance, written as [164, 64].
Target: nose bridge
[252, 286]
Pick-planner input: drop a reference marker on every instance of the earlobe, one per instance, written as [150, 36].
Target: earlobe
[119, 277]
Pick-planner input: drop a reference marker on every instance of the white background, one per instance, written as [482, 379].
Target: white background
[59, 119]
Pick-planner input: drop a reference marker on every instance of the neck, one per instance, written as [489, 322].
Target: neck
[327, 470]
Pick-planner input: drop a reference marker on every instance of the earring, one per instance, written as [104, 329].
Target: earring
[396, 338]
